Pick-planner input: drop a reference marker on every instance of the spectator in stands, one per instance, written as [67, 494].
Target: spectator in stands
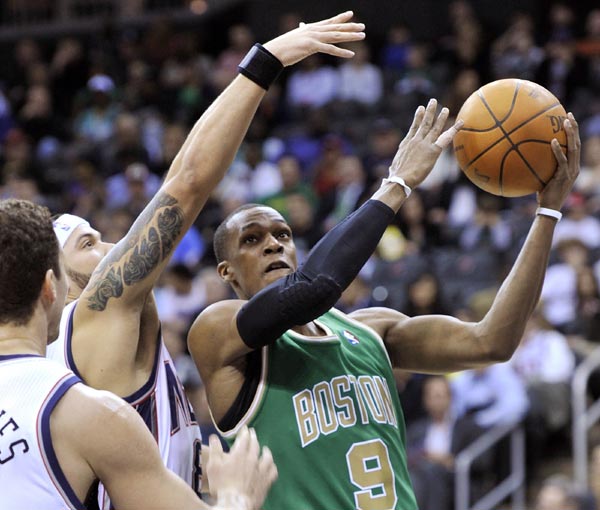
[560, 493]
[250, 178]
[132, 188]
[433, 443]
[37, 117]
[514, 53]
[420, 226]
[587, 319]
[325, 176]
[69, 72]
[360, 80]
[464, 46]
[350, 188]
[588, 181]
[424, 296]
[241, 39]
[383, 138]
[562, 70]
[578, 223]
[292, 183]
[180, 296]
[559, 290]
[494, 395]
[126, 145]
[488, 229]
[96, 123]
[312, 84]
[357, 295]
[545, 363]
[418, 81]
[394, 55]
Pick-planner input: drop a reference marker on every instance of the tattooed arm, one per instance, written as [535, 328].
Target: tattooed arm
[109, 333]
[132, 268]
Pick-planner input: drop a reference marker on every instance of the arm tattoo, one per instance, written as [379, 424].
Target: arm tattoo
[149, 242]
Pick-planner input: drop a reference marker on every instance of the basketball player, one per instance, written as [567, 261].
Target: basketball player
[58, 436]
[110, 332]
[317, 384]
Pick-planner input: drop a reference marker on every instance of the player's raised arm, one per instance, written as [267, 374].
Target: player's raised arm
[229, 329]
[133, 265]
[444, 344]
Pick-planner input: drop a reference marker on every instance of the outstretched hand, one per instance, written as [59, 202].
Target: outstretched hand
[241, 478]
[320, 37]
[423, 144]
[558, 188]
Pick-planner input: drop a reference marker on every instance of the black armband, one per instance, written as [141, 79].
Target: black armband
[317, 285]
[260, 66]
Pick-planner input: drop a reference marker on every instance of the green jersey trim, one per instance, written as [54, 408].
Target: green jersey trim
[256, 401]
[329, 336]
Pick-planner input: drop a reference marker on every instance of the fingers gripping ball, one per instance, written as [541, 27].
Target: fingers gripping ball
[504, 145]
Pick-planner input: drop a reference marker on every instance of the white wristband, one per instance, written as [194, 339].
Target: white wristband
[553, 213]
[399, 180]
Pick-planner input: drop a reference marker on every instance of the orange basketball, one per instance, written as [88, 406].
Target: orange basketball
[504, 145]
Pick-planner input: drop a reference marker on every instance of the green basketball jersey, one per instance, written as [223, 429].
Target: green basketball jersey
[328, 409]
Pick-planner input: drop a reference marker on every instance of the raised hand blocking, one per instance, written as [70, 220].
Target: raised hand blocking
[320, 37]
[422, 145]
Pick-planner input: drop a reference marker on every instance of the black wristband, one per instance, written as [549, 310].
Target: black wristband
[260, 66]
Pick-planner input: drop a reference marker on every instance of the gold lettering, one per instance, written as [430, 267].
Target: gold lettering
[325, 411]
[306, 417]
[383, 392]
[364, 418]
[346, 415]
[368, 390]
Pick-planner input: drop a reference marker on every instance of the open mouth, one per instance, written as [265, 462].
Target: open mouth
[274, 266]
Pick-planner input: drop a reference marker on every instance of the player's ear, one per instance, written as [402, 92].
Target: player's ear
[48, 292]
[225, 271]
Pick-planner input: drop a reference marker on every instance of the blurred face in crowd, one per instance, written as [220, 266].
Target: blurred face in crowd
[553, 497]
[436, 397]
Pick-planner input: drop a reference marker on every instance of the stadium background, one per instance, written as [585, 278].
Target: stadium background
[96, 97]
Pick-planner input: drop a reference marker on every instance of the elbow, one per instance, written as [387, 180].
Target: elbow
[497, 347]
[191, 176]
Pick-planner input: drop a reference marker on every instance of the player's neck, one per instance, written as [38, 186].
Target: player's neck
[22, 340]
[310, 329]
[73, 294]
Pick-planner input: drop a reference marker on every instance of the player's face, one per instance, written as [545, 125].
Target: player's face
[261, 250]
[61, 286]
[83, 251]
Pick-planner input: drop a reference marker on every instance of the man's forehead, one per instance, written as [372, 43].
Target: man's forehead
[248, 217]
[78, 233]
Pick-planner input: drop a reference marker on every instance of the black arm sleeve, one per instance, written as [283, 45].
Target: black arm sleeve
[316, 286]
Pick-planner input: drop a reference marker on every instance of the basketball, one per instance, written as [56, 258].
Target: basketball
[504, 145]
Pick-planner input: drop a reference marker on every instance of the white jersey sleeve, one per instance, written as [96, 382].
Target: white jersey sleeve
[161, 402]
[30, 475]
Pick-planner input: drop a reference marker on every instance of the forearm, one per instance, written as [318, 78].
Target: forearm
[503, 326]
[212, 143]
[317, 285]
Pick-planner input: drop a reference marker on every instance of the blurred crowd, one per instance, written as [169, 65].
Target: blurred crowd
[90, 126]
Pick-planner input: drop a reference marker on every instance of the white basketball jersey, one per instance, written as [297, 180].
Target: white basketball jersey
[30, 476]
[162, 404]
